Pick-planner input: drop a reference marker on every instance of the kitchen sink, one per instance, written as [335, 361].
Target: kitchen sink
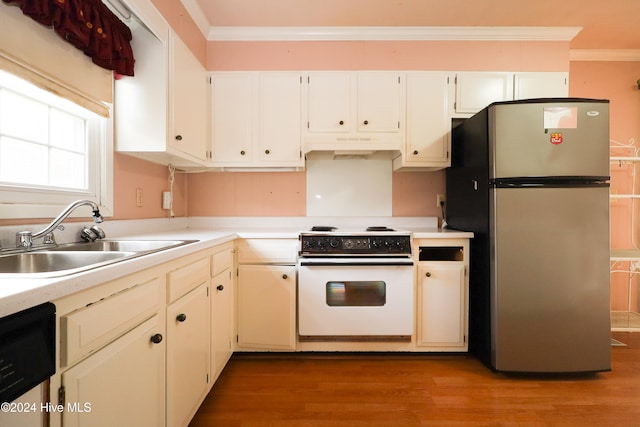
[56, 261]
[123, 245]
[73, 258]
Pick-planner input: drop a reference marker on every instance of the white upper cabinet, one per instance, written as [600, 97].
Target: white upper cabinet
[541, 85]
[476, 90]
[279, 116]
[231, 118]
[378, 102]
[161, 112]
[329, 102]
[188, 100]
[428, 127]
[255, 119]
[348, 110]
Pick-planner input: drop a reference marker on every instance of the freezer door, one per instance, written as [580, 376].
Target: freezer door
[549, 139]
[550, 279]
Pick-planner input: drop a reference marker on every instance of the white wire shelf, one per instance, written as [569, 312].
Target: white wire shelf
[624, 196]
[625, 254]
[624, 159]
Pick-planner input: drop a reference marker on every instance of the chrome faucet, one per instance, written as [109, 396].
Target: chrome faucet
[24, 239]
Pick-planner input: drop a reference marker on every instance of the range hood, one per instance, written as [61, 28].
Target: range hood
[352, 148]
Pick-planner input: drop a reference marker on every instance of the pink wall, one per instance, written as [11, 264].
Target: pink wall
[616, 81]
[390, 55]
[177, 16]
[284, 193]
[130, 174]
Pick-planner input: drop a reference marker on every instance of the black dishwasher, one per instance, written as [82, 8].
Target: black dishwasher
[27, 350]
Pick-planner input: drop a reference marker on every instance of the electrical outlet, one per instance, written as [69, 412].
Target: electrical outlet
[139, 197]
[166, 200]
[439, 200]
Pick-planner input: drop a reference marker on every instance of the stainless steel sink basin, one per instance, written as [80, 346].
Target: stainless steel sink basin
[81, 256]
[56, 261]
[123, 245]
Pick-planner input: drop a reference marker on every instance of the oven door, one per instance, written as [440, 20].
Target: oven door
[364, 297]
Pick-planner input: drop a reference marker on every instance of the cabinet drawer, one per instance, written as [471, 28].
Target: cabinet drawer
[85, 330]
[267, 251]
[184, 279]
[221, 261]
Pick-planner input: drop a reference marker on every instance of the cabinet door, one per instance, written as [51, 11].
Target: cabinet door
[121, 385]
[329, 102]
[428, 123]
[187, 355]
[474, 91]
[187, 100]
[222, 321]
[266, 306]
[279, 124]
[379, 95]
[541, 85]
[231, 117]
[442, 316]
[141, 102]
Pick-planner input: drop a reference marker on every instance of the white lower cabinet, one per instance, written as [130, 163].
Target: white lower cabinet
[222, 309]
[267, 307]
[139, 350]
[266, 294]
[187, 355]
[120, 385]
[441, 297]
[221, 321]
[442, 294]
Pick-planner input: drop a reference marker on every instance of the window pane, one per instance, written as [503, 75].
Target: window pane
[23, 162]
[67, 169]
[22, 117]
[67, 131]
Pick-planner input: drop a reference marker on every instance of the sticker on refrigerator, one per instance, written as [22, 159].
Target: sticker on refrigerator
[556, 138]
[559, 117]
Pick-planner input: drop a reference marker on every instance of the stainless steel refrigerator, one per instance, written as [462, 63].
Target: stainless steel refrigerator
[530, 179]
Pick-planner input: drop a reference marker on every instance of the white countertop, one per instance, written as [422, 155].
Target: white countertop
[21, 293]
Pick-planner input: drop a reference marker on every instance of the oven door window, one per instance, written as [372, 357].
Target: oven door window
[356, 294]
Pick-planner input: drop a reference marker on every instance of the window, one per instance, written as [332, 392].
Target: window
[52, 152]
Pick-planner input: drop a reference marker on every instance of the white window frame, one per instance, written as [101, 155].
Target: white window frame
[21, 201]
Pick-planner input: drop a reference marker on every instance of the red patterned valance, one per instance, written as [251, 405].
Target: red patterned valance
[89, 25]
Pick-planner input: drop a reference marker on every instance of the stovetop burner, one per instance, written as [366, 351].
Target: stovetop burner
[381, 228]
[322, 228]
[328, 228]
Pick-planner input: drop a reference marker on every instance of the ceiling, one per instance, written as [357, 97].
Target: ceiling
[605, 24]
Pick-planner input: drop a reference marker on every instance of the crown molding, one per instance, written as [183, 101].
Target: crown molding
[604, 55]
[391, 33]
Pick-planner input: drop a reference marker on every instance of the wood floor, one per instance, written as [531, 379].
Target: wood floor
[417, 390]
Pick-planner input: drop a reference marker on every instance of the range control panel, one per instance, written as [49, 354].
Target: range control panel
[314, 244]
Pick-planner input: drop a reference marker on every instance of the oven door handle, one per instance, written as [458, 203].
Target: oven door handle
[407, 263]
